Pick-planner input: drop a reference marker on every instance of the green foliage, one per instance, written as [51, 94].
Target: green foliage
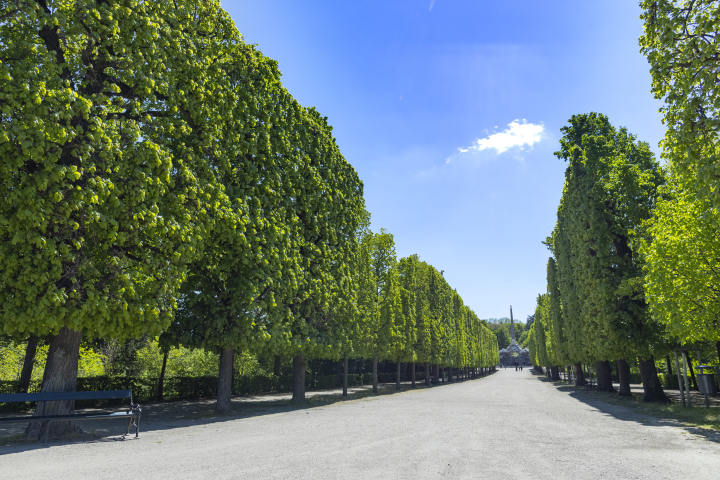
[681, 41]
[683, 265]
[610, 190]
[12, 357]
[111, 116]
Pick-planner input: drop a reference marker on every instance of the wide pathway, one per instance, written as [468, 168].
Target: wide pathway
[508, 425]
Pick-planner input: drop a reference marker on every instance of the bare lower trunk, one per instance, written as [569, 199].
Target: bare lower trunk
[579, 375]
[554, 374]
[61, 369]
[427, 374]
[397, 376]
[669, 368]
[450, 377]
[603, 370]
[624, 378]
[651, 383]
[298, 379]
[436, 367]
[345, 376]
[161, 380]
[225, 378]
[375, 374]
[276, 367]
[412, 373]
[692, 372]
[28, 364]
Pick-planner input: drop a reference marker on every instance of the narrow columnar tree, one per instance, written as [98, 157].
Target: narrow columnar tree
[611, 185]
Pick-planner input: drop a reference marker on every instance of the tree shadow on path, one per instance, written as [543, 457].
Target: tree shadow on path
[633, 409]
[161, 416]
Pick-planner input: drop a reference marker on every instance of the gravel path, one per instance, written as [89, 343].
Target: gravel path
[508, 425]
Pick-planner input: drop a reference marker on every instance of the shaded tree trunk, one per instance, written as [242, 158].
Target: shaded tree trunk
[345, 377]
[375, 374]
[436, 372]
[298, 397]
[579, 375]
[412, 373]
[450, 372]
[427, 374]
[61, 369]
[669, 368]
[161, 380]
[692, 372]
[276, 367]
[397, 377]
[624, 378]
[554, 373]
[653, 391]
[604, 376]
[225, 379]
[28, 363]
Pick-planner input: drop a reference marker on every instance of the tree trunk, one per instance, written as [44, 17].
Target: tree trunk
[276, 367]
[61, 369]
[651, 383]
[604, 376]
[375, 374]
[669, 369]
[28, 364]
[397, 377]
[717, 347]
[298, 397]
[412, 373]
[579, 375]
[624, 378]
[450, 377]
[161, 380]
[427, 374]
[554, 373]
[225, 379]
[345, 376]
[436, 367]
[313, 367]
[692, 372]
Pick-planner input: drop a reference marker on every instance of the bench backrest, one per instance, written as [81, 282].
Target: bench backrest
[55, 396]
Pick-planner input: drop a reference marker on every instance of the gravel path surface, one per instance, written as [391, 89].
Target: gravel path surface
[507, 425]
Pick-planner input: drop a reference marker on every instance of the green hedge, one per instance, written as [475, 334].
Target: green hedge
[184, 388]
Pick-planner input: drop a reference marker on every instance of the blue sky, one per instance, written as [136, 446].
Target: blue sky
[408, 85]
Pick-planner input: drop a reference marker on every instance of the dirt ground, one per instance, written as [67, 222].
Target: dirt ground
[509, 424]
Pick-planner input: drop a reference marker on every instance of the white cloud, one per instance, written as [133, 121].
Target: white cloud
[518, 135]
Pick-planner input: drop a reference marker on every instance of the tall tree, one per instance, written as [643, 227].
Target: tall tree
[612, 185]
[109, 110]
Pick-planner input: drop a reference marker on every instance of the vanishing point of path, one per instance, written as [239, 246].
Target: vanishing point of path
[508, 425]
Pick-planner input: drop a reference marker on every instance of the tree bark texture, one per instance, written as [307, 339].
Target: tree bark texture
[28, 363]
[624, 378]
[276, 367]
[427, 374]
[375, 374]
[604, 376]
[225, 379]
[554, 373]
[579, 375]
[298, 397]
[397, 376]
[61, 369]
[161, 380]
[345, 377]
[651, 383]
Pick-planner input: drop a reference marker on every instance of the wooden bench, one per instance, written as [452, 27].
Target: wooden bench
[132, 413]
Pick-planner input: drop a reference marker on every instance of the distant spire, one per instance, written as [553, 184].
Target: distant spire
[512, 327]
